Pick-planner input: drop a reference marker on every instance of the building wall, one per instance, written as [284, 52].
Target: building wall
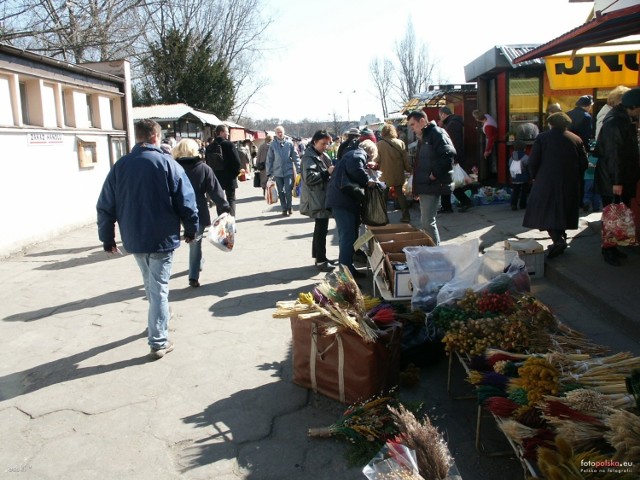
[45, 192]
[60, 132]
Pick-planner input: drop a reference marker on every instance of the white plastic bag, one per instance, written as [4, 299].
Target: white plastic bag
[222, 232]
[271, 192]
[515, 168]
[408, 186]
[460, 177]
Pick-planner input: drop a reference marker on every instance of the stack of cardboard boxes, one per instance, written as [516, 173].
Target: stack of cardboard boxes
[387, 259]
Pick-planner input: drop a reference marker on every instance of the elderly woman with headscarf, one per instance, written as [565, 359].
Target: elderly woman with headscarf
[556, 164]
[351, 168]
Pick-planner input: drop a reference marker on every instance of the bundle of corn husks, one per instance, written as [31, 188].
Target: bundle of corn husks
[338, 298]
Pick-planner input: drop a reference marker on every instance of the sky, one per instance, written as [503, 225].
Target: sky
[317, 49]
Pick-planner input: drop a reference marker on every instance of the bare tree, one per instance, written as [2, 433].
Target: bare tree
[101, 30]
[415, 66]
[381, 71]
[236, 26]
[75, 30]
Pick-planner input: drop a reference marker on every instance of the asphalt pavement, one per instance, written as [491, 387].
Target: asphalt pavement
[79, 398]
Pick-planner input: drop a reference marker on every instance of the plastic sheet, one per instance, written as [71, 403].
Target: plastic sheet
[432, 267]
[393, 461]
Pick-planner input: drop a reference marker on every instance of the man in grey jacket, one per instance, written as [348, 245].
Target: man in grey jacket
[282, 164]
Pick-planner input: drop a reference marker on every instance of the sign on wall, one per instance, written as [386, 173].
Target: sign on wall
[43, 138]
[597, 70]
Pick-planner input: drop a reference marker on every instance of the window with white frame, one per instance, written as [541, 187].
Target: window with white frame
[49, 116]
[89, 109]
[6, 112]
[24, 104]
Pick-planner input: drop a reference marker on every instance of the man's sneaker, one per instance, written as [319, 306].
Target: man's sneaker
[161, 352]
[194, 283]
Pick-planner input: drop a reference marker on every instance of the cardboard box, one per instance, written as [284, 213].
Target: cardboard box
[399, 281]
[342, 366]
[392, 228]
[389, 229]
[381, 249]
[400, 236]
[531, 252]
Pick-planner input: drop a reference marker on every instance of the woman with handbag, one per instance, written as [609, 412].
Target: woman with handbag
[316, 171]
[345, 196]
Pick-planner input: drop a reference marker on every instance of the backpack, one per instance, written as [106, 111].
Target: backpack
[214, 156]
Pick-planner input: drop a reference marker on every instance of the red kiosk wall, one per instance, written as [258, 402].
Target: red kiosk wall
[501, 144]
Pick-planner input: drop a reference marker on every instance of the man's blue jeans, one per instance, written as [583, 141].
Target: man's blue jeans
[428, 212]
[156, 272]
[348, 224]
[195, 255]
[285, 189]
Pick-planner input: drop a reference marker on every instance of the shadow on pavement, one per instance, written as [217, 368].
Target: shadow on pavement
[94, 257]
[64, 370]
[104, 299]
[62, 251]
[255, 301]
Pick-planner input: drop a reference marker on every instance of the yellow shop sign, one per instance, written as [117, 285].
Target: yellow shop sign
[600, 70]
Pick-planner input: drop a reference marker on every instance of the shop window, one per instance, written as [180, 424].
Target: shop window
[87, 152]
[524, 102]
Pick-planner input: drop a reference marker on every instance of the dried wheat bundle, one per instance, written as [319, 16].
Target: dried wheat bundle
[516, 431]
[432, 453]
[624, 435]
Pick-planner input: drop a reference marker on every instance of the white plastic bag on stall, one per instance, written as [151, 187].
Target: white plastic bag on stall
[498, 270]
[222, 232]
[432, 267]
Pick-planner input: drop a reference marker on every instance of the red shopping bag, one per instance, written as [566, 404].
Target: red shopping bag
[618, 226]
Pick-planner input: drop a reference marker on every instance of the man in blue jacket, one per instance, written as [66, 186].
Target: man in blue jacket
[431, 169]
[149, 195]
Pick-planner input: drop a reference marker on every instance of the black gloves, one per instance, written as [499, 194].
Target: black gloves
[109, 247]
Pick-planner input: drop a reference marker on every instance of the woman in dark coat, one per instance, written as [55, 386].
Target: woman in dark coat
[350, 168]
[316, 170]
[204, 182]
[556, 164]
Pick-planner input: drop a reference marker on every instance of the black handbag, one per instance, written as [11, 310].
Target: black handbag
[352, 189]
[256, 179]
[374, 208]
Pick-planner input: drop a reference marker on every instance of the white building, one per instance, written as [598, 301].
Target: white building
[62, 126]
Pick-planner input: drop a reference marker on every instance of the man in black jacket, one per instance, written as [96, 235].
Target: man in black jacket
[227, 172]
[431, 168]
